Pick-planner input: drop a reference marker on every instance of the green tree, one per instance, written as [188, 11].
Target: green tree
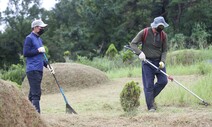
[17, 17]
[87, 27]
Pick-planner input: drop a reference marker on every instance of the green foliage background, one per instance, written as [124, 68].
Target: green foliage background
[88, 27]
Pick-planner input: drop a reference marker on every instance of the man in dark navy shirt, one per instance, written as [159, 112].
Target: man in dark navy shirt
[33, 51]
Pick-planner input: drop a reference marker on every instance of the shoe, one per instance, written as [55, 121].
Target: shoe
[152, 110]
[155, 105]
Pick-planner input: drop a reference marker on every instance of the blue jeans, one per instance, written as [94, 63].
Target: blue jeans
[35, 78]
[151, 89]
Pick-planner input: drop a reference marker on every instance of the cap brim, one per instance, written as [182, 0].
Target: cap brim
[44, 25]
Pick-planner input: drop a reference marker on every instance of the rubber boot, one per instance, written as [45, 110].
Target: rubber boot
[36, 103]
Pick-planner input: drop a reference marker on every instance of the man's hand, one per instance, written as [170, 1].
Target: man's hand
[142, 56]
[41, 49]
[161, 65]
[51, 69]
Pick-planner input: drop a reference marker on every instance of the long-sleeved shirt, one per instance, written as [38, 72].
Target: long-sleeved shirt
[154, 47]
[34, 59]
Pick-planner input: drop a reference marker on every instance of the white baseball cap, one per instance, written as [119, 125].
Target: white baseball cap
[159, 21]
[38, 22]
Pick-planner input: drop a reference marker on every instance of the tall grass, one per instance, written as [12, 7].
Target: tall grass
[174, 94]
[198, 68]
[203, 87]
[135, 71]
[124, 72]
[181, 62]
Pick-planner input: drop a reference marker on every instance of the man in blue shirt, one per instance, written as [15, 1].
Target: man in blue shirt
[33, 51]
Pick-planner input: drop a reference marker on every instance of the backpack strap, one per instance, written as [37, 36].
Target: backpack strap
[144, 35]
[162, 35]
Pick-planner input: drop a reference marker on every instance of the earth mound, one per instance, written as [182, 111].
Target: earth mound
[15, 109]
[70, 76]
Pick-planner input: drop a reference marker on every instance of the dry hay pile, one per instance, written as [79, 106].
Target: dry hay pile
[71, 76]
[15, 109]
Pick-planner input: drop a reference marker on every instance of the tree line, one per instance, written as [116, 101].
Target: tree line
[88, 27]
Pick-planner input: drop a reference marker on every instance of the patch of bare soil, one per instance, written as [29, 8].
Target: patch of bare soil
[15, 109]
[100, 107]
[71, 76]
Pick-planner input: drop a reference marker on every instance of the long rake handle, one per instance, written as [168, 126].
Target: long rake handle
[61, 90]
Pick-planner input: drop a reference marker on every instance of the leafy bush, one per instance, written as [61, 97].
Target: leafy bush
[111, 51]
[129, 96]
[66, 53]
[177, 42]
[199, 36]
[127, 56]
[66, 56]
[15, 73]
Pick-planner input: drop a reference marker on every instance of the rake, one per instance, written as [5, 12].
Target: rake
[69, 109]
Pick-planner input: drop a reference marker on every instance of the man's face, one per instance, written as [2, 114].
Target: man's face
[161, 27]
[38, 28]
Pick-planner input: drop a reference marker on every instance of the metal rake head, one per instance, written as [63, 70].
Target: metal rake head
[70, 110]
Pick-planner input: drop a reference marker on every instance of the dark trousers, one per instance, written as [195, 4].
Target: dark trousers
[151, 89]
[35, 78]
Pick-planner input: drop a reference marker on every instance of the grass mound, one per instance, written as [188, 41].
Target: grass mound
[70, 76]
[15, 109]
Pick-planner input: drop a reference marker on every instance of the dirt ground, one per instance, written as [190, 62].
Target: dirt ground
[99, 106]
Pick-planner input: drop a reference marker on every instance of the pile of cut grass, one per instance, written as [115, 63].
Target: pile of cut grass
[15, 109]
[71, 76]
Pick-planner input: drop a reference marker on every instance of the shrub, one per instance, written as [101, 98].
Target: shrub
[15, 73]
[66, 56]
[177, 42]
[129, 96]
[127, 57]
[111, 51]
[199, 35]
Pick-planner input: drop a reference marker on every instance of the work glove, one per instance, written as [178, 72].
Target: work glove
[51, 69]
[161, 65]
[41, 49]
[142, 56]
